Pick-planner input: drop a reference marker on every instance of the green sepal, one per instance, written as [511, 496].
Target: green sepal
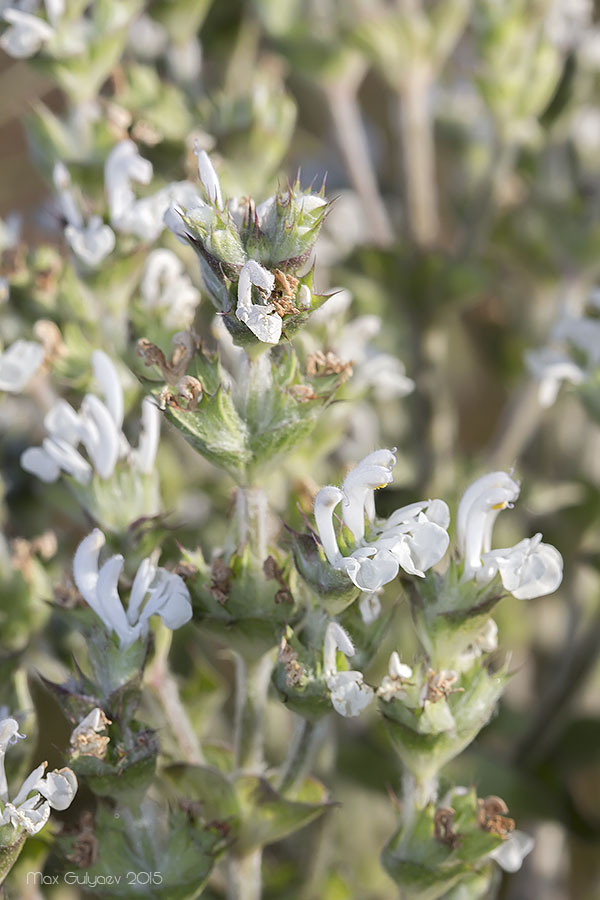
[449, 614]
[334, 589]
[424, 741]
[299, 681]
[252, 616]
[216, 430]
[11, 843]
[425, 867]
[128, 768]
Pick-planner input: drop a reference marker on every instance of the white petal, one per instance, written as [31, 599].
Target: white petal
[27, 34]
[209, 178]
[36, 461]
[253, 273]
[18, 364]
[30, 816]
[30, 784]
[398, 669]
[349, 695]
[100, 435]
[140, 587]
[109, 382]
[9, 733]
[69, 460]
[59, 788]
[145, 455]
[336, 638]
[85, 568]
[511, 853]
[325, 502]
[61, 421]
[369, 605]
[93, 243]
[107, 592]
[262, 322]
[170, 599]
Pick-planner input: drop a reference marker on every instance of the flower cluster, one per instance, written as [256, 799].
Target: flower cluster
[30, 807]
[413, 538]
[98, 426]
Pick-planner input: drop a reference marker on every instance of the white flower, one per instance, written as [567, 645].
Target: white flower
[55, 790]
[143, 217]
[155, 591]
[349, 694]
[262, 320]
[27, 33]
[18, 364]
[91, 243]
[165, 286]
[477, 512]
[529, 569]
[511, 852]
[413, 538]
[97, 426]
[551, 368]
[394, 682]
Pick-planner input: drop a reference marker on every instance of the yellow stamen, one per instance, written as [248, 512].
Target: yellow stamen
[502, 505]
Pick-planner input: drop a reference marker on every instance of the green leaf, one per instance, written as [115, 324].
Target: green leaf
[267, 817]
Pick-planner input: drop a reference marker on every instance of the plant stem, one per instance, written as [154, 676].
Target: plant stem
[418, 147]
[342, 99]
[251, 511]
[244, 880]
[299, 757]
[517, 426]
[165, 687]
[251, 685]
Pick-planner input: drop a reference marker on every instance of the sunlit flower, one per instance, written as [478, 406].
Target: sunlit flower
[414, 538]
[155, 591]
[349, 694]
[529, 569]
[30, 808]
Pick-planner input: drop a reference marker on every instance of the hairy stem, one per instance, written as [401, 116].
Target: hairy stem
[251, 685]
[165, 686]
[244, 881]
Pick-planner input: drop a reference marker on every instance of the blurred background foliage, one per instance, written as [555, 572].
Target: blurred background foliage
[461, 139]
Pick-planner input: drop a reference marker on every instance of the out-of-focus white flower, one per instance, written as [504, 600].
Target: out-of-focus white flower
[394, 682]
[97, 426]
[552, 369]
[155, 591]
[26, 35]
[529, 569]
[209, 177]
[567, 22]
[18, 364]
[143, 217]
[262, 320]
[414, 537]
[511, 852]
[185, 61]
[166, 287]
[30, 808]
[349, 694]
[91, 243]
